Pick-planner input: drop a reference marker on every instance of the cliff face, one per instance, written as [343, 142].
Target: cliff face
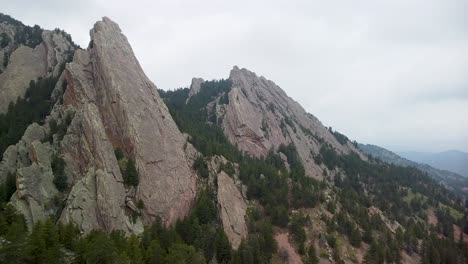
[108, 104]
[24, 58]
[260, 116]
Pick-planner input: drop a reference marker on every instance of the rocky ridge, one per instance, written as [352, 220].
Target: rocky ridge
[108, 104]
[22, 61]
[259, 116]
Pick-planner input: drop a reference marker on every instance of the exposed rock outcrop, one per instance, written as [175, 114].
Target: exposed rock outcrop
[108, 103]
[260, 116]
[36, 193]
[119, 108]
[232, 209]
[26, 64]
[195, 87]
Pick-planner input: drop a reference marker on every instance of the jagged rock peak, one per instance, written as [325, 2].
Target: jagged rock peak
[260, 116]
[137, 121]
[195, 86]
[108, 104]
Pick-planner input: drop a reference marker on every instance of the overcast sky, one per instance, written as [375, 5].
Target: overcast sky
[392, 73]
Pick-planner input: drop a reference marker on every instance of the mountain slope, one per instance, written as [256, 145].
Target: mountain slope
[358, 202]
[229, 171]
[452, 160]
[258, 116]
[28, 53]
[452, 180]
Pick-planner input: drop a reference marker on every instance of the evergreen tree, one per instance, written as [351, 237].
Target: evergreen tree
[223, 248]
[312, 255]
[133, 250]
[131, 174]
[154, 253]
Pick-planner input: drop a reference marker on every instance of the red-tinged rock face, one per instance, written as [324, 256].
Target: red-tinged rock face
[260, 116]
[108, 103]
[119, 107]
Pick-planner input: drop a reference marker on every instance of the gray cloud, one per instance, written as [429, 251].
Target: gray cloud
[392, 73]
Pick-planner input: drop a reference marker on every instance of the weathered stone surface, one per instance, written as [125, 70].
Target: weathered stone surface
[118, 107]
[58, 49]
[35, 193]
[232, 207]
[260, 116]
[108, 103]
[195, 87]
[8, 164]
[19, 155]
[27, 64]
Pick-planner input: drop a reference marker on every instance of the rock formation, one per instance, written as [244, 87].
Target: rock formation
[232, 208]
[108, 104]
[260, 116]
[21, 64]
[195, 86]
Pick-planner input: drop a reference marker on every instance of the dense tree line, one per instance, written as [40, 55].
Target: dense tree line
[196, 239]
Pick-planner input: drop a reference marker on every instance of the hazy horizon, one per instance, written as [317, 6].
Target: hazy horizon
[390, 74]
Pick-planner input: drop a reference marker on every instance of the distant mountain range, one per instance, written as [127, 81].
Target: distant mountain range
[451, 160]
[452, 180]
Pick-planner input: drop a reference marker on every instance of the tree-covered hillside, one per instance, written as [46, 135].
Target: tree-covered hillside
[451, 180]
[355, 187]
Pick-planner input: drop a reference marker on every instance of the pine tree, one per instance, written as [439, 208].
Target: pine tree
[131, 173]
[312, 255]
[154, 253]
[133, 250]
[223, 248]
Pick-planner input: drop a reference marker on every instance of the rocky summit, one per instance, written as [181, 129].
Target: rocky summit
[108, 104]
[260, 117]
[99, 166]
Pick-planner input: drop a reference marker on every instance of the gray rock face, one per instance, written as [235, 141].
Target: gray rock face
[108, 103]
[26, 64]
[195, 86]
[118, 107]
[260, 116]
[232, 207]
[30, 161]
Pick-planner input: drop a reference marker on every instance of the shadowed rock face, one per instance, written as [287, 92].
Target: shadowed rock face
[260, 116]
[109, 103]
